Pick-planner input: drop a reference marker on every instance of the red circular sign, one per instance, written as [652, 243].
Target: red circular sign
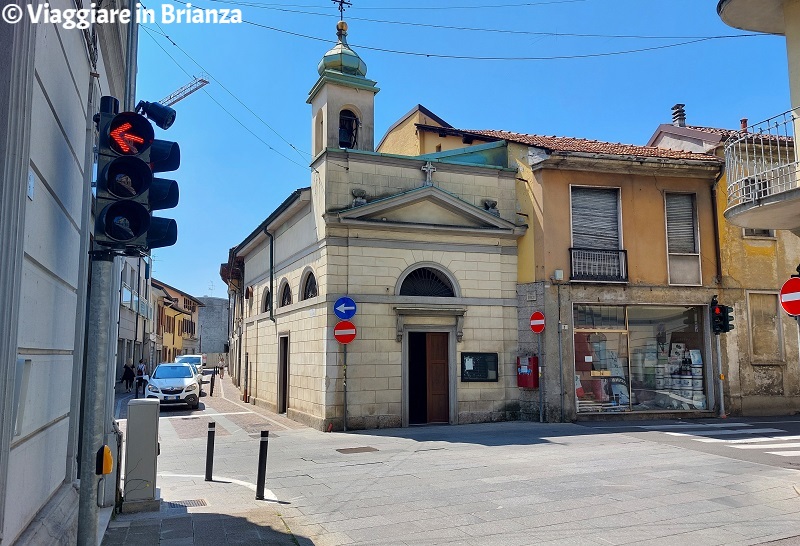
[344, 332]
[790, 296]
[537, 322]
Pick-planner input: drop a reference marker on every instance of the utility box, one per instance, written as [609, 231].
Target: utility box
[528, 372]
[141, 456]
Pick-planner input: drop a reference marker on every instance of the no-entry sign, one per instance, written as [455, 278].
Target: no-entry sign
[537, 322]
[344, 332]
[790, 296]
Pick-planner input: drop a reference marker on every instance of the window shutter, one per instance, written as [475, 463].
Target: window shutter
[595, 218]
[681, 232]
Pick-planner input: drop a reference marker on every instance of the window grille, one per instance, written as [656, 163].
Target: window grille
[426, 281]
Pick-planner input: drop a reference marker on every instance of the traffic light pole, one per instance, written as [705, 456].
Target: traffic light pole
[719, 378]
[94, 385]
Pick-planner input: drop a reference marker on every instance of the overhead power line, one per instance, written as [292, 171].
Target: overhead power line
[415, 8]
[256, 5]
[150, 31]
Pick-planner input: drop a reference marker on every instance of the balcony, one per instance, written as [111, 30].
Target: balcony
[753, 15]
[761, 169]
[598, 265]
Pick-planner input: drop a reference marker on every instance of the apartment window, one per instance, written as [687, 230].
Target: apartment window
[596, 253]
[754, 232]
[683, 246]
[766, 341]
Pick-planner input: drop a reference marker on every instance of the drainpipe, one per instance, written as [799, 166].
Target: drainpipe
[271, 273]
[717, 246]
[560, 355]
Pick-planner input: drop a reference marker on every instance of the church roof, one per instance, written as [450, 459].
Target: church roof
[341, 58]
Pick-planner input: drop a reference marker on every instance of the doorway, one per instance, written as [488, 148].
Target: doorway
[283, 374]
[428, 382]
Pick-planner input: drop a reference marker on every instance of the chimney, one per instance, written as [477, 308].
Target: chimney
[679, 115]
[743, 124]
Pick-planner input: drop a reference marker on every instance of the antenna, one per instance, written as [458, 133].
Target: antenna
[211, 289]
[343, 5]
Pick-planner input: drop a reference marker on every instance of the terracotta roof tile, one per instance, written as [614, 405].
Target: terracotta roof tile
[569, 144]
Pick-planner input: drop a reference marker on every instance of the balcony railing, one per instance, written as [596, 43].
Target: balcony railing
[593, 264]
[760, 160]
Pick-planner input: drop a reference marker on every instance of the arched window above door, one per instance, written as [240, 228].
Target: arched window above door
[429, 282]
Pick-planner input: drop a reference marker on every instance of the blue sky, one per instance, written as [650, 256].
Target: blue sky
[230, 180]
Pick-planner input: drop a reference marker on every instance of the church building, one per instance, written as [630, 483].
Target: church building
[426, 249]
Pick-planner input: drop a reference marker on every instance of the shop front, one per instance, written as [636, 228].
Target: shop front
[641, 358]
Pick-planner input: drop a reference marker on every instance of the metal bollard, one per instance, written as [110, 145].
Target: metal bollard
[262, 465]
[210, 450]
[212, 384]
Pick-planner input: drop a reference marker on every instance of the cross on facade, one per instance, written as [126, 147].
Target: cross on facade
[342, 4]
[429, 170]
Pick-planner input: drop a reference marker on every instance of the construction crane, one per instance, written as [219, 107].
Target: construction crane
[194, 85]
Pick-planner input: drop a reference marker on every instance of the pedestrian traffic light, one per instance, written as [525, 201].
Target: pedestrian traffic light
[717, 318]
[127, 192]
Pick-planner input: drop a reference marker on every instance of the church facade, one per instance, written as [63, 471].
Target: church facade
[425, 247]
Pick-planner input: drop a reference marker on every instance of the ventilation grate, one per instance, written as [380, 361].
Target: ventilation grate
[348, 450]
[187, 503]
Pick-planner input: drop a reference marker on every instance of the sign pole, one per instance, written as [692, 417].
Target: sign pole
[344, 383]
[719, 379]
[541, 378]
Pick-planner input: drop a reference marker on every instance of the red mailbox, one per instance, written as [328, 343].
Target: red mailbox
[528, 372]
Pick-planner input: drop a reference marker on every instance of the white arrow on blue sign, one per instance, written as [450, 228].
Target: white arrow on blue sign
[344, 308]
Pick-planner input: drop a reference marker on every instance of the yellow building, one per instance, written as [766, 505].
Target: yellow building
[621, 256]
[760, 355]
[177, 319]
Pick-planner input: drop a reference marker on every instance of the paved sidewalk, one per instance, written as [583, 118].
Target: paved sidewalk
[516, 483]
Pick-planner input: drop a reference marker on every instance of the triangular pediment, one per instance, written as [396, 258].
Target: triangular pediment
[428, 207]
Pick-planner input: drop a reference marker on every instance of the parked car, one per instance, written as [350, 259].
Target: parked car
[174, 383]
[198, 360]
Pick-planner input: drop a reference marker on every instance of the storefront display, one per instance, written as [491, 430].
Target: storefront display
[639, 358]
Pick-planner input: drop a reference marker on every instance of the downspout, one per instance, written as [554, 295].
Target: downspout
[271, 273]
[717, 245]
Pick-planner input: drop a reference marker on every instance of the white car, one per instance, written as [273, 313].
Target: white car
[174, 383]
[198, 360]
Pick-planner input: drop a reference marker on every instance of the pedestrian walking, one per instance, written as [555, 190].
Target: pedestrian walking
[221, 366]
[141, 369]
[128, 375]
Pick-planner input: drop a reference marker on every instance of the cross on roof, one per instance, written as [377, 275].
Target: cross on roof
[429, 170]
[342, 4]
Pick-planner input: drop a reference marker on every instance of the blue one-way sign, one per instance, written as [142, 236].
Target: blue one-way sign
[344, 308]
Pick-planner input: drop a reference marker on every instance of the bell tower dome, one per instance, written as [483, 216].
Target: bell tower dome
[343, 100]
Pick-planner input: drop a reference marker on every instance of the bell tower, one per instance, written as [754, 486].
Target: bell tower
[342, 101]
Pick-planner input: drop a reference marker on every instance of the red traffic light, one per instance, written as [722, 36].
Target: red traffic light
[717, 310]
[130, 134]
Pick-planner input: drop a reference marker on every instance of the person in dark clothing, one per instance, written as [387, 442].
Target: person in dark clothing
[141, 369]
[128, 376]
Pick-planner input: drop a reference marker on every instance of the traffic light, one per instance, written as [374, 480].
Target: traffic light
[727, 321]
[127, 192]
[721, 319]
[717, 318]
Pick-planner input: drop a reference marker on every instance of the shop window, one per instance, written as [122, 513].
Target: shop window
[766, 341]
[426, 281]
[683, 244]
[309, 287]
[348, 129]
[286, 295]
[640, 358]
[596, 253]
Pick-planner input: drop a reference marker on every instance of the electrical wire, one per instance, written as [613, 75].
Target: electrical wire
[489, 6]
[303, 155]
[474, 29]
[150, 32]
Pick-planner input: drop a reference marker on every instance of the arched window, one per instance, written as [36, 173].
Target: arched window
[348, 129]
[286, 295]
[266, 303]
[309, 287]
[427, 281]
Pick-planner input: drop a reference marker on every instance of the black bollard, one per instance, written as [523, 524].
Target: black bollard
[262, 465]
[210, 451]
[212, 384]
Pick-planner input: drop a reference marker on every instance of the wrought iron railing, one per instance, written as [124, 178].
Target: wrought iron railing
[594, 264]
[760, 160]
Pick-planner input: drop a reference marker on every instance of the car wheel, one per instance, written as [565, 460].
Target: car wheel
[195, 406]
